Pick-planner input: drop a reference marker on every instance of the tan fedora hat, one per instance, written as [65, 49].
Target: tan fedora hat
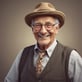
[42, 9]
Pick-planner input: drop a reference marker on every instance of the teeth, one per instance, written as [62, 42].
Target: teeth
[43, 36]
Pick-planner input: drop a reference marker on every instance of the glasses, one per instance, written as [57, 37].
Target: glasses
[38, 26]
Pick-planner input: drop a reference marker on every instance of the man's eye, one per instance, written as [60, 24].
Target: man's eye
[48, 24]
[37, 25]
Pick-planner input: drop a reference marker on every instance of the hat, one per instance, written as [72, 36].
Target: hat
[43, 9]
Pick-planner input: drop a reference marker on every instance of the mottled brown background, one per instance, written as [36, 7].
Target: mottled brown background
[15, 34]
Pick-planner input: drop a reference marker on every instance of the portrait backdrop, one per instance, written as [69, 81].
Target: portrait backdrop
[15, 34]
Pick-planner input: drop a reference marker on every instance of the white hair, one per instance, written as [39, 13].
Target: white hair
[56, 21]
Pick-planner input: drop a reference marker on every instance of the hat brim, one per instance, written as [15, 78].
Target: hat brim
[57, 14]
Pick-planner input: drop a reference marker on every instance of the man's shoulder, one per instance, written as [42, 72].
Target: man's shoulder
[65, 47]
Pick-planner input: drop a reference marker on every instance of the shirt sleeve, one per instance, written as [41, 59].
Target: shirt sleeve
[12, 75]
[75, 66]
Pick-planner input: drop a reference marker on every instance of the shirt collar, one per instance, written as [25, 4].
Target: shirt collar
[50, 49]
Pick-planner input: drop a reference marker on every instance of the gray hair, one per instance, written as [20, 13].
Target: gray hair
[56, 21]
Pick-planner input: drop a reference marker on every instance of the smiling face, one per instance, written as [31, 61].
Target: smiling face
[45, 29]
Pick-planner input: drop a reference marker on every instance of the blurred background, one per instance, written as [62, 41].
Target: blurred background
[15, 34]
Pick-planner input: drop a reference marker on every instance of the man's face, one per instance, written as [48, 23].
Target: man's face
[45, 30]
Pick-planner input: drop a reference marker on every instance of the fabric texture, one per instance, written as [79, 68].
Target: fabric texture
[55, 71]
[45, 9]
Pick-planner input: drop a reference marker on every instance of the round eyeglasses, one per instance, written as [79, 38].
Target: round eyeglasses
[38, 26]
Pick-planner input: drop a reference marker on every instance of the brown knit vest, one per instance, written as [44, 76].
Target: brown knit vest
[55, 71]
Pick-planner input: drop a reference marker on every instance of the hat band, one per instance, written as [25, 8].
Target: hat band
[41, 10]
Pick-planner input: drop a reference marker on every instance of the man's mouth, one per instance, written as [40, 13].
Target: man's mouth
[43, 36]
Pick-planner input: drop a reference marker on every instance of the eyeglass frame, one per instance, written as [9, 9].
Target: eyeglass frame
[46, 25]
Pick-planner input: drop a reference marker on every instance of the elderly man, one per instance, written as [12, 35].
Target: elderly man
[47, 60]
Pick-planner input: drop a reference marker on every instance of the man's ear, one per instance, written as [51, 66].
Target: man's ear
[57, 28]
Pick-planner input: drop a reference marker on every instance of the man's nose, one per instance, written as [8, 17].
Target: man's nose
[43, 29]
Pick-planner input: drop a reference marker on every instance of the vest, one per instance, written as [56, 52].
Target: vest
[56, 69]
